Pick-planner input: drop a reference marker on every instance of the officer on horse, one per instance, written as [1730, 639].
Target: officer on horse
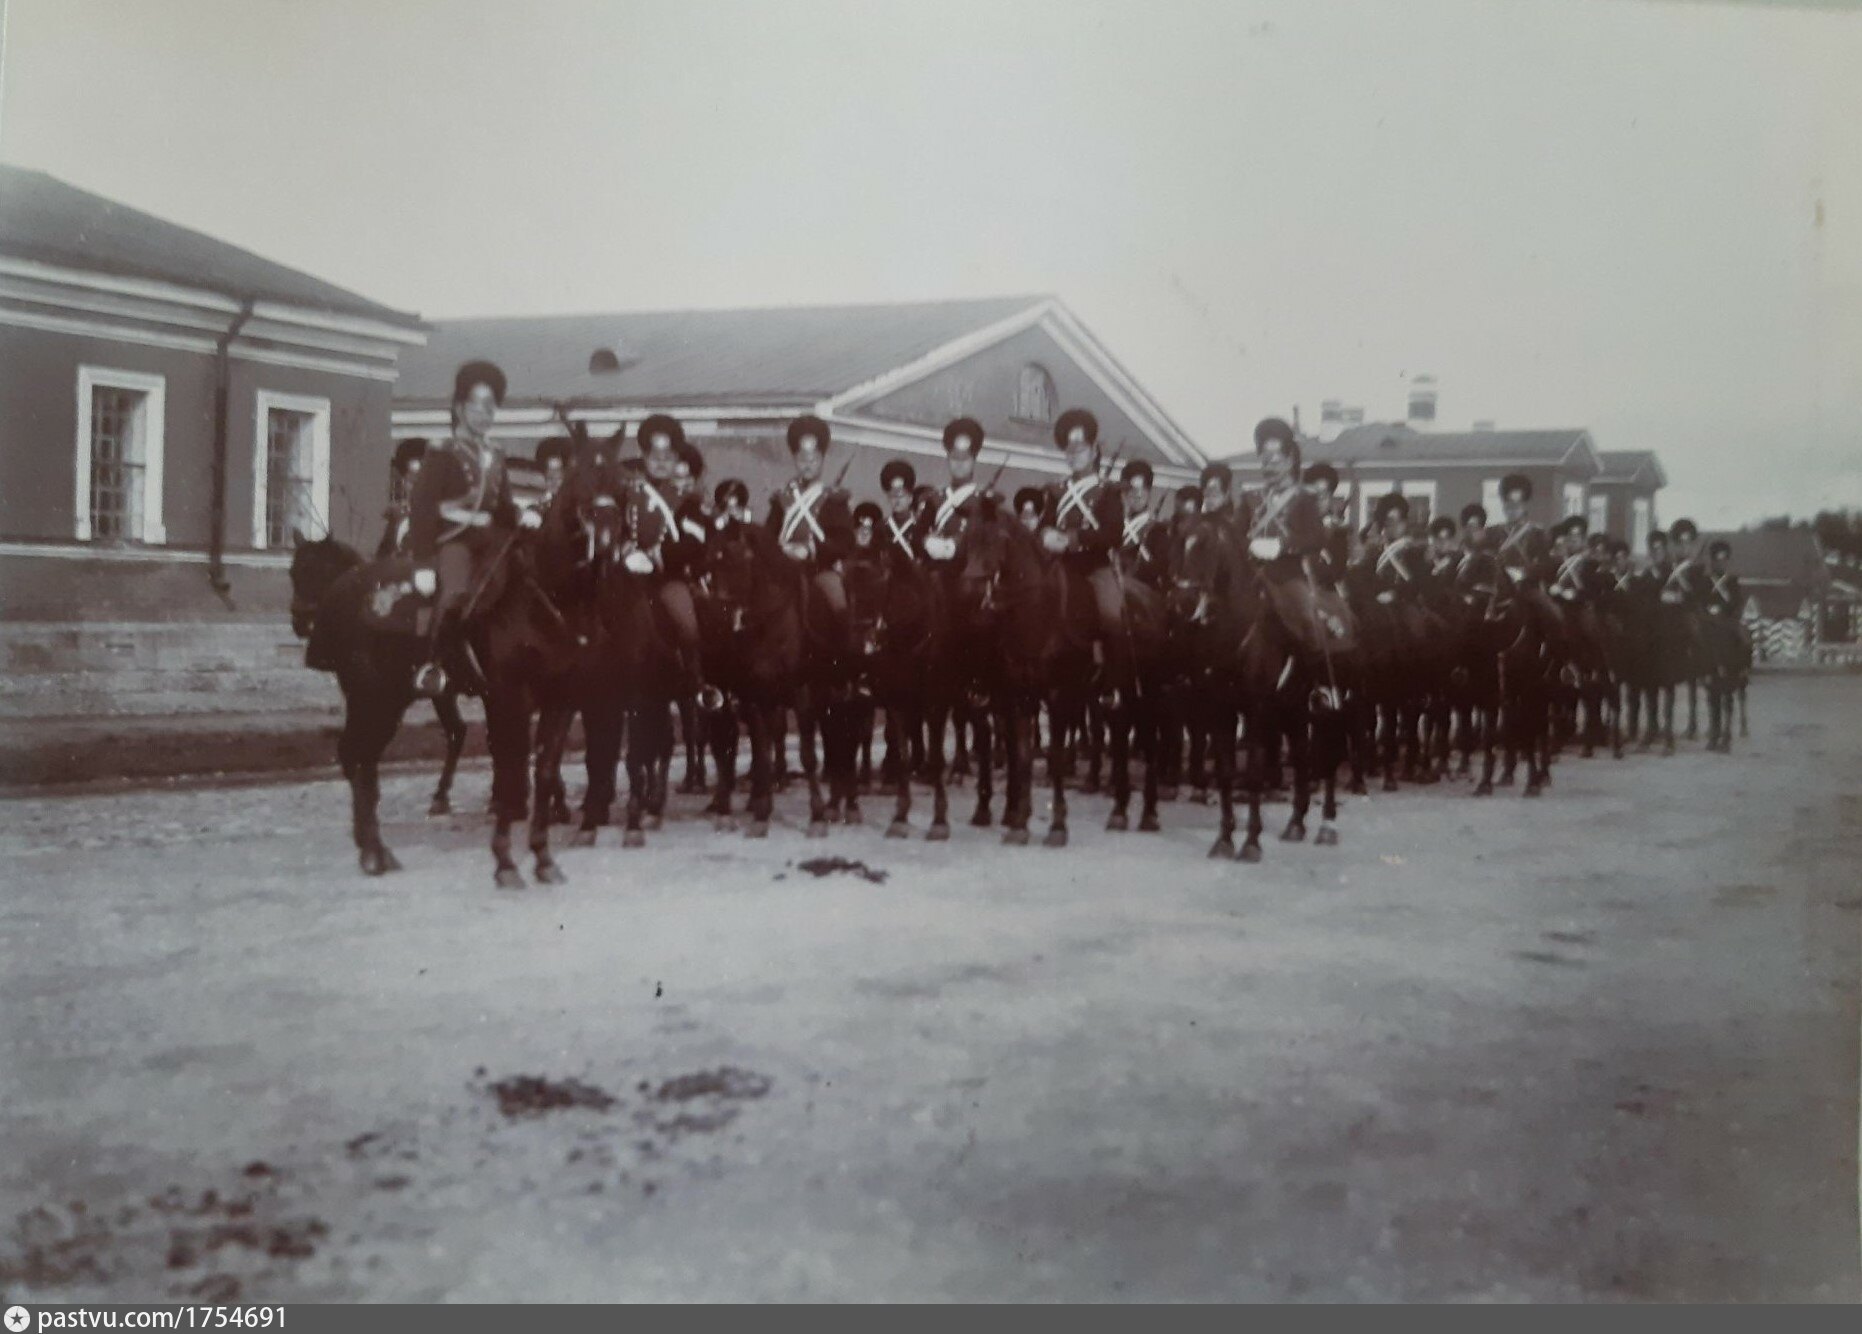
[666, 538]
[462, 518]
[407, 460]
[960, 503]
[812, 521]
[1080, 529]
[1143, 547]
[900, 523]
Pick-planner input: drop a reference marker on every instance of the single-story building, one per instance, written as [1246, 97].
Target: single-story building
[885, 377]
[1796, 604]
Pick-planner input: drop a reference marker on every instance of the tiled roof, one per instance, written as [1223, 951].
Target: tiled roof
[1622, 465]
[44, 219]
[781, 356]
[1785, 557]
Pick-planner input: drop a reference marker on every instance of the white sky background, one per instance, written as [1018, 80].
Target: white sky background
[1575, 214]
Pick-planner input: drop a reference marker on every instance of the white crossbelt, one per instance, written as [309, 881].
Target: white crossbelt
[802, 511]
[1073, 497]
[658, 502]
[1270, 513]
[900, 535]
[1135, 527]
[1390, 557]
[953, 501]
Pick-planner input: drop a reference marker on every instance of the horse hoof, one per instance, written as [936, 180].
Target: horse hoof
[634, 838]
[509, 877]
[1483, 789]
[939, 832]
[1117, 822]
[582, 838]
[440, 806]
[855, 815]
[1014, 838]
[1327, 837]
[1668, 750]
[898, 829]
[1056, 838]
[1293, 833]
[1090, 787]
[724, 824]
[1390, 785]
[692, 787]
[982, 819]
[549, 873]
[1250, 852]
[1200, 797]
[1356, 788]
[1532, 790]
[652, 823]
[1168, 792]
[757, 829]
[1222, 850]
[832, 815]
[374, 861]
[1147, 824]
[817, 829]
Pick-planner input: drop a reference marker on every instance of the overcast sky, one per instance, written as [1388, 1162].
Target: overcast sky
[1641, 218]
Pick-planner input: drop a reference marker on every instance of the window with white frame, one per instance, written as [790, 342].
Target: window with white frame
[1642, 518]
[1490, 499]
[1573, 500]
[118, 491]
[290, 468]
[1421, 498]
[1034, 394]
[1599, 512]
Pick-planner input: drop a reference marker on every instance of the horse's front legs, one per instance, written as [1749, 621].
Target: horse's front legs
[368, 727]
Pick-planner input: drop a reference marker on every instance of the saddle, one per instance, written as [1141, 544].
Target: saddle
[1316, 621]
[389, 603]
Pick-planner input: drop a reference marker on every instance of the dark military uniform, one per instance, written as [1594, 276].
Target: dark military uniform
[1144, 549]
[819, 519]
[958, 508]
[1090, 513]
[459, 479]
[1522, 549]
[1724, 595]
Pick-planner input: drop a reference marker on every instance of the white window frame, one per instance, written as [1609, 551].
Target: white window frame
[1565, 495]
[1413, 488]
[1597, 512]
[1641, 523]
[318, 409]
[154, 439]
[1491, 500]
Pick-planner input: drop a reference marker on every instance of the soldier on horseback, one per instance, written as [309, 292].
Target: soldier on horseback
[1081, 526]
[1216, 514]
[900, 523]
[960, 503]
[1473, 527]
[1522, 546]
[554, 456]
[732, 500]
[1028, 505]
[1143, 547]
[1687, 582]
[667, 541]
[461, 518]
[1725, 598]
[407, 459]
[1398, 562]
[811, 521]
[1444, 552]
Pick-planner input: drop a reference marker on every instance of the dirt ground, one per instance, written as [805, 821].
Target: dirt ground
[1598, 1046]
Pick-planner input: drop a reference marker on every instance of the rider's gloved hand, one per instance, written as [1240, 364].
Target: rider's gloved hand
[531, 519]
[638, 562]
[940, 548]
[425, 582]
[1054, 540]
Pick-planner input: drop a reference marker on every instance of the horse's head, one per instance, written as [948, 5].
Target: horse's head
[587, 520]
[315, 565]
[1483, 585]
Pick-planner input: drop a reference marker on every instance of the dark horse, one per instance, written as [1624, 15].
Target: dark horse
[315, 568]
[519, 634]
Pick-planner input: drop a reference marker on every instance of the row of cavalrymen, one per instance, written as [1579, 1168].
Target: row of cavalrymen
[1100, 529]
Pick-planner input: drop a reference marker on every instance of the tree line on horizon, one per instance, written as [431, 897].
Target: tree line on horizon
[1839, 530]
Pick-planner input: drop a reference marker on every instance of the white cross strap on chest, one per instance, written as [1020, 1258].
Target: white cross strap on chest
[902, 536]
[953, 501]
[1136, 526]
[658, 502]
[693, 527]
[1514, 536]
[1391, 558]
[1720, 588]
[1267, 517]
[803, 512]
[1569, 570]
[1073, 497]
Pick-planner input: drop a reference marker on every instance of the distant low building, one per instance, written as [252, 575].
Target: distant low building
[885, 377]
[1440, 472]
[1800, 603]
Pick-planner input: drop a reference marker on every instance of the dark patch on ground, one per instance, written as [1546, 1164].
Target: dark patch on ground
[1571, 937]
[1741, 896]
[726, 1081]
[533, 1095]
[823, 866]
[703, 1101]
[1546, 956]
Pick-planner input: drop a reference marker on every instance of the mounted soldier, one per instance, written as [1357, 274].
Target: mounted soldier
[732, 501]
[1398, 568]
[554, 457]
[1029, 502]
[866, 523]
[667, 540]
[1522, 547]
[1725, 598]
[961, 502]
[1473, 527]
[1575, 579]
[1688, 582]
[1143, 546]
[1080, 529]
[812, 521]
[1283, 528]
[1322, 480]
[1217, 512]
[1445, 552]
[899, 527]
[407, 460]
[461, 519]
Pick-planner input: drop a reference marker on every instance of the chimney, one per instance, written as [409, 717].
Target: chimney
[1421, 400]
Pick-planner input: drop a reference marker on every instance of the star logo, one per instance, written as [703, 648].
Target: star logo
[17, 1318]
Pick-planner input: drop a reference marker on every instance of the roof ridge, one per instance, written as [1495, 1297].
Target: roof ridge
[1022, 300]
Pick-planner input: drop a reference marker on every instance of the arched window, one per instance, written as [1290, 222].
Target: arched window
[1034, 394]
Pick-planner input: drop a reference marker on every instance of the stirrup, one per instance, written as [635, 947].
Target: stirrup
[710, 699]
[430, 680]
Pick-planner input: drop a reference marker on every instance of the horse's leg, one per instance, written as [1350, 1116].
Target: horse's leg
[1218, 719]
[1151, 742]
[552, 734]
[1118, 736]
[368, 726]
[1067, 719]
[507, 733]
[986, 744]
[1299, 759]
[757, 717]
[901, 826]
[1254, 763]
[602, 724]
[852, 715]
[721, 734]
[807, 720]
[1487, 710]
[1329, 742]
[1200, 729]
[1668, 720]
[660, 745]
[446, 707]
[639, 777]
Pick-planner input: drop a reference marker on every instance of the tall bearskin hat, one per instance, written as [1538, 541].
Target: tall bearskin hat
[1322, 474]
[692, 458]
[1274, 428]
[1720, 547]
[659, 424]
[1683, 528]
[727, 489]
[1219, 472]
[1191, 496]
[410, 449]
[1516, 484]
[1028, 495]
[556, 447]
[867, 512]
[963, 428]
[897, 470]
[1476, 512]
[1072, 419]
[475, 373]
[1390, 504]
[1442, 526]
[803, 428]
[1137, 468]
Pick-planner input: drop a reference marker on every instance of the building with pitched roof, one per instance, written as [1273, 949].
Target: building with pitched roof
[1800, 600]
[174, 406]
[885, 377]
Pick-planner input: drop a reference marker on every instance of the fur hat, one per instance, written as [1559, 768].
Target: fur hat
[559, 447]
[1075, 418]
[803, 427]
[963, 427]
[659, 424]
[898, 470]
[1137, 468]
[475, 373]
[1516, 483]
[408, 451]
